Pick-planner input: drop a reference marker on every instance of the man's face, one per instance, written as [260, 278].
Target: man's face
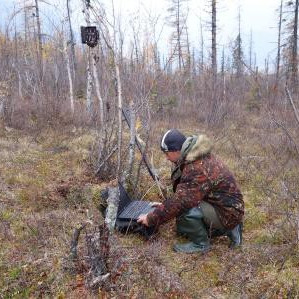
[173, 156]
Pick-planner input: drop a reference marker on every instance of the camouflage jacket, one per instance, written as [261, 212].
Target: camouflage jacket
[202, 177]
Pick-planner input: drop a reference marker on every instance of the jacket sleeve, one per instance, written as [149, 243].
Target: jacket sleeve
[191, 190]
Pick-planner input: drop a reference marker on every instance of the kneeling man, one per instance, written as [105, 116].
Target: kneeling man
[206, 199]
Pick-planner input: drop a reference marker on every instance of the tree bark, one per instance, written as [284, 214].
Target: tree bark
[69, 73]
[250, 50]
[292, 103]
[178, 29]
[89, 86]
[132, 139]
[201, 47]
[214, 41]
[119, 102]
[98, 89]
[72, 41]
[295, 47]
[112, 207]
[39, 37]
[278, 43]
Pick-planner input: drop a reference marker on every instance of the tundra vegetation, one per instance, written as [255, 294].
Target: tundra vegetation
[64, 138]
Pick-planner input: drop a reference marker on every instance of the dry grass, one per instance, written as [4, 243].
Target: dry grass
[46, 189]
[40, 205]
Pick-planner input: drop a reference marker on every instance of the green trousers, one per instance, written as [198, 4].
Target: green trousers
[199, 223]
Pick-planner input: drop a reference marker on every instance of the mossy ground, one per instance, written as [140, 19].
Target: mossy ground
[47, 189]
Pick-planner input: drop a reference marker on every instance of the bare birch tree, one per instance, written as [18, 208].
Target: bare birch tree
[69, 73]
[89, 85]
[71, 38]
[113, 41]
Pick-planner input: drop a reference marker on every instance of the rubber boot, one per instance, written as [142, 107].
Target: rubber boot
[235, 236]
[191, 225]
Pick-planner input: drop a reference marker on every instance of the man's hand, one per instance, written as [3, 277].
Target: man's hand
[143, 219]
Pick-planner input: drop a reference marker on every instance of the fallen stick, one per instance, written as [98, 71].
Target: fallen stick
[75, 240]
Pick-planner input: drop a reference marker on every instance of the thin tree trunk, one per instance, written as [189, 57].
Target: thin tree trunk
[294, 47]
[188, 53]
[98, 89]
[132, 139]
[278, 43]
[292, 103]
[100, 100]
[250, 50]
[239, 62]
[25, 24]
[223, 74]
[179, 34]
[201, 47]
[267, 74]
[39, 36]
[119, 97]
[69, 73]
[16, 64]
[214, 42]
[72, 41]
[20, 85]
[89, 87]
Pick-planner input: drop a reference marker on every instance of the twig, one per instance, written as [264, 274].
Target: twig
[106, 159]
[287, 133]
[142, 150]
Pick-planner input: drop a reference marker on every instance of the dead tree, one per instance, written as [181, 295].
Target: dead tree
[179, 40]
[201, 61]
[250, 49]
[295, 45]
[279, 43]
[132, 138]
[188, 58]
[214, 39]
[223, 83]
[39, 38]
[97, 252]
[291, 44]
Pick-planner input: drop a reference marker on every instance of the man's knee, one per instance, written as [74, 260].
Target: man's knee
[189, 221]
[203, 215]
[210, 216]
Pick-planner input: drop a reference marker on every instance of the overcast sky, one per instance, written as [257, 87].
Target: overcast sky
[260, 16]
